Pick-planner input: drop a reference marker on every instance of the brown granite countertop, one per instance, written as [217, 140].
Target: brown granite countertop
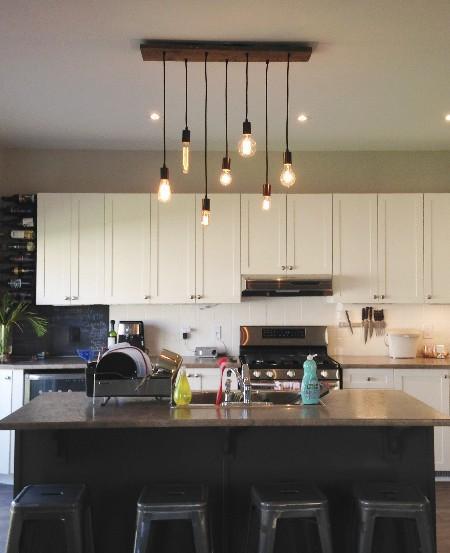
[385, 362]
[339, 408]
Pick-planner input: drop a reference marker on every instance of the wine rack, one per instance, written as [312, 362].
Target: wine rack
[18, 246]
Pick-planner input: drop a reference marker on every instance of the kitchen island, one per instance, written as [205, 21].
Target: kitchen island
[354, 435]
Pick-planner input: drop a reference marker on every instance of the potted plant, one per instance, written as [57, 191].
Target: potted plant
[16, 313]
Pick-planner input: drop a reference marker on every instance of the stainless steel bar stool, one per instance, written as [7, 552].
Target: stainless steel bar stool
[290, 500]
[53, 502]
[392, 500]
[172, 502]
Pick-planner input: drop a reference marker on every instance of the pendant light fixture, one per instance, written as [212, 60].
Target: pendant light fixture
[186, 134]
[225, 175]
[206, 204]
[267, 189]
[246, 145]
[164, 191]
[287, 177]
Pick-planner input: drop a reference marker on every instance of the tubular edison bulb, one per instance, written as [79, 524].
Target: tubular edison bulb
[206, 212]
[186, 142]
[287, 177]
[164, 191]
[266, 203]
[247, 145]
[267, 191]
[225, 175]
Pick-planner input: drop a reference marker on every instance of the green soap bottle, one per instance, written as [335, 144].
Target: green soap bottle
[182, 394]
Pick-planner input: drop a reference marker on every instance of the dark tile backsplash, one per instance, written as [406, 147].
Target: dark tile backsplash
[69, 328]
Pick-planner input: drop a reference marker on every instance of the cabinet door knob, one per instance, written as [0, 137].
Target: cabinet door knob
[283, 267]
[146, 297]
[67, 298]
[382, 297]
[368, 379]
[375, 296]
[291, 267]
[74, 297]
[199, 297]
[9, 378]
[429, 297]
[192, 297]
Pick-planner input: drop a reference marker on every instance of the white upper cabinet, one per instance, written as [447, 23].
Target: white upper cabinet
[263, 240]
[87, 267]
[355, 247]
[54, 215]
[127, 248]
[218, 275]
[309, 234]
[436, 248]
[400, 248]
[173, 249]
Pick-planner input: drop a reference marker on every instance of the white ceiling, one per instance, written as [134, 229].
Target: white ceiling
[71, 74]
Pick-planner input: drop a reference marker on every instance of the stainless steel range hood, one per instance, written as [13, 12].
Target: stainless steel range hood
[305, 285]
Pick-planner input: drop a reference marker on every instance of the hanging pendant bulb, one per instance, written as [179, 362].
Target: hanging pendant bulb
[206, 211]
[267, 189]
[164, 190]
[225, 178]
[246, 145]
[206, 204]
[186, 134]
[225, 175]
[267, 193]
[287, 177]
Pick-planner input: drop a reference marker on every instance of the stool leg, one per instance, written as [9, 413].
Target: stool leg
[366, 533]
[142, 536]
[267, 532]
[89, 533]
[425, 529]
[200, 531]
[14, 533]
[74, 532]
[324, 527]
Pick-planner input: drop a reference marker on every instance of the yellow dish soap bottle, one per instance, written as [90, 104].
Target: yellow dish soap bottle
[182, 394]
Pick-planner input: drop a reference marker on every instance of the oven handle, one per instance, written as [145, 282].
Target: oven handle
[53, 376]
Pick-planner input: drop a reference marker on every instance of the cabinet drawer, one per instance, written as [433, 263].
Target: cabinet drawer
[369, 378]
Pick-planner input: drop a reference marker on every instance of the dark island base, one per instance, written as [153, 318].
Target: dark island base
[116, 464]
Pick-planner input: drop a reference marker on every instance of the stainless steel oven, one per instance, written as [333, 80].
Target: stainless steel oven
[53, 381]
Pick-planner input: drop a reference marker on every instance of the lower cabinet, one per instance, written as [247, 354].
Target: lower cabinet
[202, 380]
[431, 386]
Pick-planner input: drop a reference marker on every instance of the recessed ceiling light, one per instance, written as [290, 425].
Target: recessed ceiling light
[155, 116]
[302, 118]
[447, 117]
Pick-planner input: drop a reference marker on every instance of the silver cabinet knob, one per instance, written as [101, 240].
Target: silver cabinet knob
[283, 267]
[429, 297]
[382, 296]
[375, 296]
[195, 375]
[7, 378]
[67, 298]
[368, 379]
[199, 297]
[192, 297]
[74, 297]
[146, 297]
[291, 267]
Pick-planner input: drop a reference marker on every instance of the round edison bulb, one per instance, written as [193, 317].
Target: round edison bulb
[266, 203]
[164, 191]
[287, 177]
[247, 146]
[205, 218]
[225, 177]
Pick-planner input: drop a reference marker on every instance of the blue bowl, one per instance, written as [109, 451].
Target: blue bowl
[88, 355]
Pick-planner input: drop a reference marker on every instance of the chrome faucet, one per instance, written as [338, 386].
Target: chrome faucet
[244, 383]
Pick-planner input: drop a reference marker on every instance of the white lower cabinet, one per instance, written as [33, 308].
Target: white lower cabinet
[433, 388]
[5, 410]
[369, 379]
[203, 379]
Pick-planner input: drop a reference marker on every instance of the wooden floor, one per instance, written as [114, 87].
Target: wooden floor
[442, 499]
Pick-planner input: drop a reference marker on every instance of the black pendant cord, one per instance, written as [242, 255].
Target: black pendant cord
[206, 127]
[226, 109]
[186, 94]
[164, 107]
[287, 103]
[246, 87]
[267, 155]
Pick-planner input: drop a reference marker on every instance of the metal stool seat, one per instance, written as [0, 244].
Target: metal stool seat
[173, 502]
[290, 500]
[392, 500]
[53, 502]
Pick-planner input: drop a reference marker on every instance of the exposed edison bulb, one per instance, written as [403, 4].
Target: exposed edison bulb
[267, 191]
[247, 144]
[206, 212]
[205, 218]
[225, 178]
[287, 177]
[164, 191]
[266, 203]
[186, 143]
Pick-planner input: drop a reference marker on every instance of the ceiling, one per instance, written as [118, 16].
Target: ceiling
[71, 74]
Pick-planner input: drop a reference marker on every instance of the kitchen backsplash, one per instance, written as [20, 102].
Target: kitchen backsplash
[163, 323]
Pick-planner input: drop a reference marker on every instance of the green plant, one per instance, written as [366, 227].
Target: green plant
[15, 313]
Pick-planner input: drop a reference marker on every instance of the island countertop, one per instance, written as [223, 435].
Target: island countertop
[339, 408]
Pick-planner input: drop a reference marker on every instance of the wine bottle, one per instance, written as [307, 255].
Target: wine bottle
[22, 258]
[24, 222]
[16, 283]
[18, 210]
[17, 234]
[112, 334]
[24, 247]
[22, 296]
[20, 198]
[18, 270]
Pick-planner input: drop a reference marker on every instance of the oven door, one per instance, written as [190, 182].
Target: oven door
[37, 383]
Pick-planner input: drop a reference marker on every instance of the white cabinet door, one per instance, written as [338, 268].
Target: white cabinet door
[173, 249]
[263, 244]
[218, 271]
[54, 226]
[355, 247]
[400, 248]
[432, 387]
[5, 410]
[375, 379]
[309, 234]
[87, 267]
[204, 379]
[436, 248]
[127, 248]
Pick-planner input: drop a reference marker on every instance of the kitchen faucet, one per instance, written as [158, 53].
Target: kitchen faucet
[244, 383]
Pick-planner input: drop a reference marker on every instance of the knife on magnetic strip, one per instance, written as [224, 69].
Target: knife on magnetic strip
[370, 317]
[365, 323]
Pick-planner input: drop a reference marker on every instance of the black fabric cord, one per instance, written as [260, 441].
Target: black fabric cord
[206, 127]
[226, 108]
[164, 107]
[267, 154]
[287, 103]
[186, 93]
[246, 87]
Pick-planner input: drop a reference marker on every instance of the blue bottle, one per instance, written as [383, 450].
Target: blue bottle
[310, 390]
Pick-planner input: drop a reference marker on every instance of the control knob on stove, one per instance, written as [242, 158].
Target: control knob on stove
[256, 374]
[291, 374]
[270, 374]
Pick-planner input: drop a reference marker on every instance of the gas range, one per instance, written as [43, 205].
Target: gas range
[275, 355]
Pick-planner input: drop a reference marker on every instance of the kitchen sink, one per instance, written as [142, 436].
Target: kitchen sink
[259, 398]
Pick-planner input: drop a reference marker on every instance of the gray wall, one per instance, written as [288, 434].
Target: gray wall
[138, 171]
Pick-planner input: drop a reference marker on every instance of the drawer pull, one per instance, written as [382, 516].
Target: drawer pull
[9, 378]
[369, 379]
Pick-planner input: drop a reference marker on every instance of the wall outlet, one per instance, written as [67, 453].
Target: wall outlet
[218, 332]
[428, 331]
[185, 333]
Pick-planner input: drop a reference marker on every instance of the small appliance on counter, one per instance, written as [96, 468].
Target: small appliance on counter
[402, 344]
[206, 352]
[131, 332]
